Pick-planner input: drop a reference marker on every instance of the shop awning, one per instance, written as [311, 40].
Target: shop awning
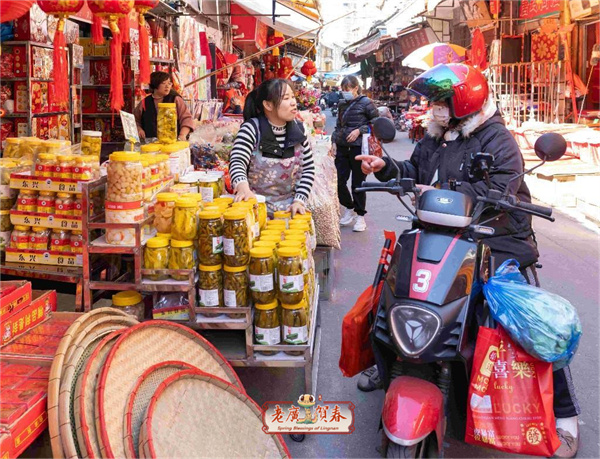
[290, 23]
[350, 70]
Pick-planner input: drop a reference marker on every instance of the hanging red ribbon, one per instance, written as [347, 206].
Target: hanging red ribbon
[205, 50]
[142, 7]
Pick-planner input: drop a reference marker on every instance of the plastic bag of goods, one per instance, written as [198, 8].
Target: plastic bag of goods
[544, 324]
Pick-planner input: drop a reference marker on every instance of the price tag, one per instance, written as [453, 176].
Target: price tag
[129, 126]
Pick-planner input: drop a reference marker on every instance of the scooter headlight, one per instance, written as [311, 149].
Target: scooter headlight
[413, 328]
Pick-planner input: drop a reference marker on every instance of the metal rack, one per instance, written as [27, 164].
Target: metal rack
[75, 90]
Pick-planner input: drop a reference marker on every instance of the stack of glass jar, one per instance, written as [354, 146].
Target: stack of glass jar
[41, 238]
[47, 202]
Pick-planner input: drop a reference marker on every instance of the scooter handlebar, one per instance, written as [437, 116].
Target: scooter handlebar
[546, 211]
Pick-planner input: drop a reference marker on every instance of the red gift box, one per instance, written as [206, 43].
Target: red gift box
[32, 26]
[24, 394]
[10, 412]
[10, 382]
[100, 72]
[88, 101]
[20, 61]
[33, 384]
[7, 64]
[17, 370]
[103, 102]
[21, 94]
[34, 313]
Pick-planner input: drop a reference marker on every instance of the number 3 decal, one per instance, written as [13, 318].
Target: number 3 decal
[423, 278]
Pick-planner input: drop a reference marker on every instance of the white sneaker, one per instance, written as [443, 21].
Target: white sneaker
[360, 224]
[348, 217]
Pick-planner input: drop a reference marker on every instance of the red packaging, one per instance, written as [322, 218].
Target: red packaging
[31, 340]
[39, 97]
[10, 412]
[510, 404]
[53, 123]
[103, 102]
[9, 382]
[17, 298]
[33, 384]
[32, 26]
[88, 101]
[41, 373]
[7, 64]
[18, 349]
[21, 97]
[22, 371]
[28, 317]
[24, 395]
[100, 71]
[7, 129]
[21, 127]
[20, 61]
[23, 430]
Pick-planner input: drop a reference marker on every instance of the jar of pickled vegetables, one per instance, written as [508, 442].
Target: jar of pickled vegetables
[27, 201]
[82, 169]
[267, 325]
[210, 287]
[29, 147]
[272, 232]
[235, 288]
[64, 166]
[52, 146]
[167, 123]
[236, 245]
[76, 241]
[94, 162]
[45, 164]
[282, 215]
[185, 222]
[13, 146]
[294, 325]
[39, 238]
[156, 256]
[163, 211]
[91, 143]
[20, 236]
[124, 172]
[210, 237]
[130, 303]
[5, 229]
[247, 208]
[166, 236]
[262, 211]
[276, 224]
[262, 274]
[150, 148]
[64, 204]
[209, 187]
[60, 240]
[46, 202]
[182, 256]
[299, 242]
[197, 197]
[273, 239]
[291, 275]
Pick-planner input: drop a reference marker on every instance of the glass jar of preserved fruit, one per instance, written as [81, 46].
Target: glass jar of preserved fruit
[262, 274]
[46, 202]
[64, 166]
[150, 148]
[91, 143]
[166, 236]
[276, 225]
[13, 146]
[235, 287]
[154, 170]
[27, 201]
[291, 277]
[77, 205]
[209, 187]
[156, 256]
[210, 287]
[52, 146]
[167, 123]
[20, 236]
[60, 240]
[294, 325]
[185, 222]
[29, 147]
[39, 238]
[182, 257]
[82, 169]
[45, 164]
[210, 238]
[76, 241]
[236, 245]
[164, 168]
[130, 303]
[124, 172]
[277, 232]
[267, 325]
[163, 211]
[282, 215]
[64, 204]
[262, 211]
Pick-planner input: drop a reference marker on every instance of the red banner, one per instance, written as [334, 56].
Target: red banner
[413, 41]
[534, 8]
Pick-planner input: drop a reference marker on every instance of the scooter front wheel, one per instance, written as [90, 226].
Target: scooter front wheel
[425, 448]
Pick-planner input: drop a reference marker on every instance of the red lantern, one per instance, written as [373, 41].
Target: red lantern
[142, 7]
[286, 62]
[309, 69]
[113, 10]
[60, 9]
[269, 75]
[13, 9]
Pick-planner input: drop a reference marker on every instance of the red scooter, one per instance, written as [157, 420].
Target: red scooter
[431, 307]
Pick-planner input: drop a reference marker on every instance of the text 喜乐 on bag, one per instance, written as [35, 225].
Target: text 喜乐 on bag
[510, 403]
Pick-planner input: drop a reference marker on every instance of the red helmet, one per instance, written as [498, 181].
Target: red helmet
[464, 87]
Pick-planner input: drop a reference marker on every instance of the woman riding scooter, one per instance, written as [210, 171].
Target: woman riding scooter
[465, 121]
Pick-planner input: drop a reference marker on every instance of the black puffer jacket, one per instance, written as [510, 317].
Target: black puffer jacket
[360, 113]
[482, 133]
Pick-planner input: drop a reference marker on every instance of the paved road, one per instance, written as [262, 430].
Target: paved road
[570, 254]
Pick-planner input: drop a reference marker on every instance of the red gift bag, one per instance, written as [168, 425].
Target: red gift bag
[375, 146]
[510, 398]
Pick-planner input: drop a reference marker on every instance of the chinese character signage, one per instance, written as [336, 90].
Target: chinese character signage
[533, 8]
[415, 40]
[308, 416]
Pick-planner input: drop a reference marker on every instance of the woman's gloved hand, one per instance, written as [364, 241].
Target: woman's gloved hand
[243, 192]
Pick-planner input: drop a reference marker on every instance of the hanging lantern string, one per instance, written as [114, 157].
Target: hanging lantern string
[299, 62]
[260, 53]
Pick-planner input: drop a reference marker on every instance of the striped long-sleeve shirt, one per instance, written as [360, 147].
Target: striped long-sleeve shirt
[245, 144]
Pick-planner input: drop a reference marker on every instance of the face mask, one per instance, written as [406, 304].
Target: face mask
[441, 115]
[348, 95]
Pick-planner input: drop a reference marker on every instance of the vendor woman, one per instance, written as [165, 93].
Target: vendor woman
[146, 112]
[271, 155]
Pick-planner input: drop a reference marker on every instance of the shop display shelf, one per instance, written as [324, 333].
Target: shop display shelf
[30, 43]
[42, 115]
[169, 284]
[223, 319]
[43, 257]
[96, 58]
[96, 115]
[158, 60]
[34, 182]
[91, 86]
[45, 220]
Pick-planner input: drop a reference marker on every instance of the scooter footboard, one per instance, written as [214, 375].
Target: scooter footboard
[413, 409]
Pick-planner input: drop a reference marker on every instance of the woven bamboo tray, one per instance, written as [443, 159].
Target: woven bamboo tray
[139, 399]
[82, 347]
[56, 371]
[136, 350]
[193, 414]
[85, 396]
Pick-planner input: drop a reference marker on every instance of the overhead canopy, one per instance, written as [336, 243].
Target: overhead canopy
[291, 22]
[350, 70]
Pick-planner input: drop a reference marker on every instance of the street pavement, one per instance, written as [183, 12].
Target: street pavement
[570, 254]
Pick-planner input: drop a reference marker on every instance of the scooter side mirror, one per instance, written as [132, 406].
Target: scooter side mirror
[384, 129]
[550, 146]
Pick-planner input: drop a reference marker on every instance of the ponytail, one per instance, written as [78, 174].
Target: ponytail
[270, 91]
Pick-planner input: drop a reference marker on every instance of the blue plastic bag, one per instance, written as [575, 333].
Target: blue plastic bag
[544, 324]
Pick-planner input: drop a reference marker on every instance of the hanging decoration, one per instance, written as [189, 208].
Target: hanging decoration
[478, 55]
[274, 40]
[124, 26]
[113, 10]
[13, 9]
[205, 50]
[309, 69]
[61, 9]
[142, 7]
[286, 68]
